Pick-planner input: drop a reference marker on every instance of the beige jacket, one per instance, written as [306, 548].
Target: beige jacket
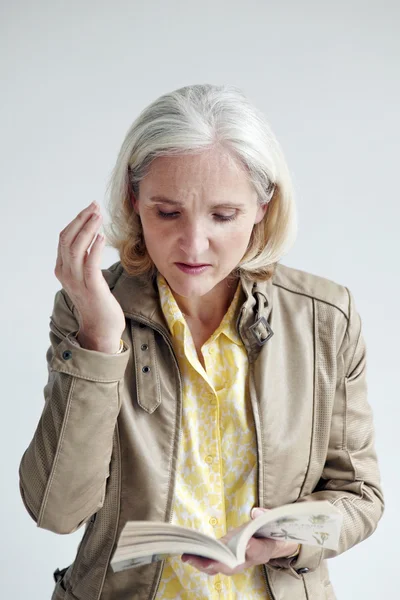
[105, 448]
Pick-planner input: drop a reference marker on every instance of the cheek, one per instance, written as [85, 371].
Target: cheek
[152, 228]
[230, 240]
[160, 239]
[234, 241]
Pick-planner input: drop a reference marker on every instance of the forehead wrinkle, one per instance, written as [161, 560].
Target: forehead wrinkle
[208, 174]
[201, 164]
[172, 202]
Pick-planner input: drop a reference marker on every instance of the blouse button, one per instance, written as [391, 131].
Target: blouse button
[67, 354]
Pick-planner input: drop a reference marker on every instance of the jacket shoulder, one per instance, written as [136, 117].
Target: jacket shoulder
[319, 288]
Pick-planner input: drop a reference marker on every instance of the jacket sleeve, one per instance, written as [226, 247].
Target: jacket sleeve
[64, 470]
[350, 479]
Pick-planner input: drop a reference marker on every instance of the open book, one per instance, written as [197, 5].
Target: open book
[312, 523]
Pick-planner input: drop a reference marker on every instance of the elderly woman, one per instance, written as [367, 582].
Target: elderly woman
[197, 378]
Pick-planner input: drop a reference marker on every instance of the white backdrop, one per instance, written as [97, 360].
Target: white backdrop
[74, 77]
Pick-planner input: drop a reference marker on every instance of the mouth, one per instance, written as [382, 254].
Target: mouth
[192, 268]
[194, 265]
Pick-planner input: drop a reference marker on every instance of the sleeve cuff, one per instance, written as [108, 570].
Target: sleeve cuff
[294, 553]
[74, 340]
[308, 559]
[70, 358]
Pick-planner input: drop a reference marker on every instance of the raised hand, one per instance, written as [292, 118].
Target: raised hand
[101, 319]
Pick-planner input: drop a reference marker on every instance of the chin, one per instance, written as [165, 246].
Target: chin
[189, 286]
[191, 290]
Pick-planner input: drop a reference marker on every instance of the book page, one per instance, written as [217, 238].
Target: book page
[310, 523]
[141, 554]
[143, 542]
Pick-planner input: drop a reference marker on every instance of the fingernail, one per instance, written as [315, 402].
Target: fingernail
[256, 512]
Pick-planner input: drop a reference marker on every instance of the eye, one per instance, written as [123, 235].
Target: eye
[217, 217]
[166, 215]
[225, 218]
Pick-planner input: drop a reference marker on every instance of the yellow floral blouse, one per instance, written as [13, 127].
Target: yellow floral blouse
[217, 463]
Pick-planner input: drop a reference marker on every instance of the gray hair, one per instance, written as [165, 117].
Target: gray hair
[190, 120]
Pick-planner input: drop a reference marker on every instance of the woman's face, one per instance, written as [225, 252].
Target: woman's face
[197, 214]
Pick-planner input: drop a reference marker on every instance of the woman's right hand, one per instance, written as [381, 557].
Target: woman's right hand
[101, 320]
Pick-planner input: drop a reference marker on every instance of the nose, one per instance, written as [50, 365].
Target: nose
[193, 240]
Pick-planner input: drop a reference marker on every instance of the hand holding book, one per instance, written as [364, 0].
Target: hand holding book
[312, 523]
[259, 551]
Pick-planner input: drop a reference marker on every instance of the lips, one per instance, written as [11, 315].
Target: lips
[192, 268]
[194, 264]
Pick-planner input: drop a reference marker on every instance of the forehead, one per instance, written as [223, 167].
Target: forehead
[212, 171]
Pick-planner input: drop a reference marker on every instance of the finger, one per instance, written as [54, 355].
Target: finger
[257, 511]
[93, 256]
[69, 233]
[59, 262]
[258, 551]
[232, 533]
[204, 565]
[92, 263]
[219, 567]
[211, 567]
[74, 255]
[197, 561]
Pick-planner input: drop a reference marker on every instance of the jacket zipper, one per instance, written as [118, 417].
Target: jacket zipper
[269, 591]
[260, 499]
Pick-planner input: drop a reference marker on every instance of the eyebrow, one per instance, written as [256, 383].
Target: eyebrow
[165, 200]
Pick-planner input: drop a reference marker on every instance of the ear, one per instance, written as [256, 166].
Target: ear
[261, 210]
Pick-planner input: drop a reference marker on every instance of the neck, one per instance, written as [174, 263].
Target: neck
[210, 308]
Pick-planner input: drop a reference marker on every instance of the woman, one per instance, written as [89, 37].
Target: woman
[198, 378]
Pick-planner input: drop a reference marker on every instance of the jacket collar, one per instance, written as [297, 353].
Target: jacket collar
[139, 299]
[253, 323]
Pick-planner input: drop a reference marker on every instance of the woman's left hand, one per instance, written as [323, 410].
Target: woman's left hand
[258, 552]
